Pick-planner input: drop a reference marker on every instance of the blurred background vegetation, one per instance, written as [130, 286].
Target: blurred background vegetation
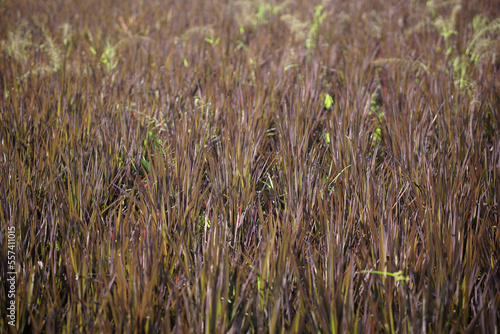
[251, 166]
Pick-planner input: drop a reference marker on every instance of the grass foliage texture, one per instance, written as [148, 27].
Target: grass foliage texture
[251, 166]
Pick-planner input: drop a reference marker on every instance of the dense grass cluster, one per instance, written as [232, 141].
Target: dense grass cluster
[251, 165]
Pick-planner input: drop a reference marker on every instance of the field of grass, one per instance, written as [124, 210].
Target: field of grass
[250, 166]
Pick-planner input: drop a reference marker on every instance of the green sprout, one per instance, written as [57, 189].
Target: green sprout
[262, 13]
[145, 164]
[397, 275]
[152, 138]
[211, 41]
[375, 110]
[108, 57]
[328, 101]
[327, 138]
[203, 222]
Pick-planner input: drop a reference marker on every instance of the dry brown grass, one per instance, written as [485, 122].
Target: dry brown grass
[173, 167]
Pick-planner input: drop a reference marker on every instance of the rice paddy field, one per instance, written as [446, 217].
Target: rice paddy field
[249, 166]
